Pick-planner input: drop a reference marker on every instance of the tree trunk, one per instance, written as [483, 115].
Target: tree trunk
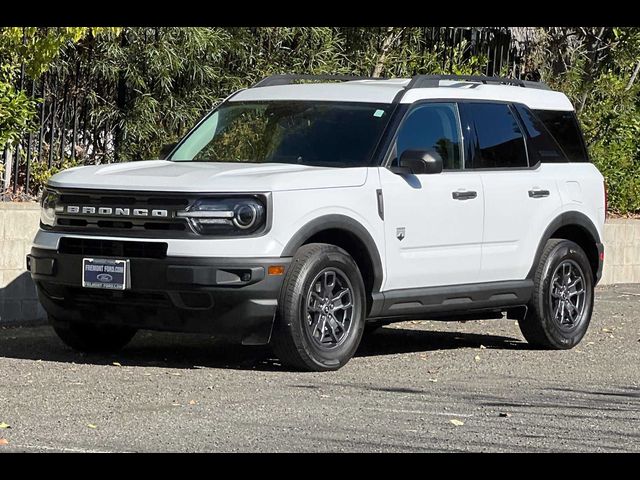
[392, 35]
[121, 101]
[8, 164]
[591, 66]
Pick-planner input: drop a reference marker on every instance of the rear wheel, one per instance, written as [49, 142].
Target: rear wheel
[560, 309]
[90, 338]
[321, 310]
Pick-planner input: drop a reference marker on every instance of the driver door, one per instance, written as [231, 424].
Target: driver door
[433, 222]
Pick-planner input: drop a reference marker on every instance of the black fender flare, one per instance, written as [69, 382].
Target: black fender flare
[339, 222]
[562, 220]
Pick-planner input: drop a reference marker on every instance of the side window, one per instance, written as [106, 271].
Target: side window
[566, 131]
[499, 142]
[542, 145]
[433, 126]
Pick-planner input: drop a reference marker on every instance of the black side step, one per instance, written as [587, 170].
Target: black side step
[418, 302]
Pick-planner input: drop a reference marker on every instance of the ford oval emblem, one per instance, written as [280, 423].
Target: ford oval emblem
[104, 277]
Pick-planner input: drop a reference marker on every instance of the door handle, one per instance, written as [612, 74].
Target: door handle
[466, 195]
[538, 193]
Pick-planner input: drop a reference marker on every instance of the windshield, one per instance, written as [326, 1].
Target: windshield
[302, 132]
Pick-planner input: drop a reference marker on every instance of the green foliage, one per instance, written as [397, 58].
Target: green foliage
[16, 109]
[33, 49]
[147, 86]
[40, 172]
[611, 121]
[38, 47]
[608, 103]
[253, 53]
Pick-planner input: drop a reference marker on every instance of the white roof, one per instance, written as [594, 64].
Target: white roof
[384, 91]
[372, 91]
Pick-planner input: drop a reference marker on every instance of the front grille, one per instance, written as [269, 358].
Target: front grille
[122, 298]
[132, 225]
[87, 297]
[112, 248]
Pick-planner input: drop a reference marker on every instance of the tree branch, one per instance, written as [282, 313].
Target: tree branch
[633, 77]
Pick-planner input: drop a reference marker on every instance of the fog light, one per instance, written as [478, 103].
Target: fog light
[275, 269]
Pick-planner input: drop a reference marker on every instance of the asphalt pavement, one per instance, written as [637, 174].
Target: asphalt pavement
[413, 386]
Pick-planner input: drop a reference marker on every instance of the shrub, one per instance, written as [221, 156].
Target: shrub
[40, 173]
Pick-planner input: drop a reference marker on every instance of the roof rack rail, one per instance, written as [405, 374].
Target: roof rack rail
[288, 79]
[431, 81]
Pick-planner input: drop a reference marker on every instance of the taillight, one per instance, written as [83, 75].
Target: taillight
[606, 199]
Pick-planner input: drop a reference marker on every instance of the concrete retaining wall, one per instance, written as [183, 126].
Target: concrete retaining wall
[621, 251]
[19, 223]
[18, 301]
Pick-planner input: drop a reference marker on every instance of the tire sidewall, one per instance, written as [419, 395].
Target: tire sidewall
[334, 358]
[560, 338]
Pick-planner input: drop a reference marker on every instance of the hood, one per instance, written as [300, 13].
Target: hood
[162, 175]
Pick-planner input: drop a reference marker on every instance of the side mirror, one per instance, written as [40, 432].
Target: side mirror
[166, 150]
[419, 162]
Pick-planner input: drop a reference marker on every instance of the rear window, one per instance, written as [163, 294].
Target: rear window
[566, 131]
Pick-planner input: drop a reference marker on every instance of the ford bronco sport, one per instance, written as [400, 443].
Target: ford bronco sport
[305, 209]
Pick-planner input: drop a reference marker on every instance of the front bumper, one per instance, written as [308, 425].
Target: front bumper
[600, 248]
[234, 298]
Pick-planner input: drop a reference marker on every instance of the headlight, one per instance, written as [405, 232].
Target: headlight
[226, 216]
[48, 208]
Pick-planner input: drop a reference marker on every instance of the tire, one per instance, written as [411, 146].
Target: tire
[548, 323]
[92, 338]
[300, 339]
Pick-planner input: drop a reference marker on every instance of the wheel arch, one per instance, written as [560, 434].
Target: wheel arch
[578, 228]
[346, 233]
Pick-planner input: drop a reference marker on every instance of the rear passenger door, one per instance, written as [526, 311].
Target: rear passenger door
[521, 196]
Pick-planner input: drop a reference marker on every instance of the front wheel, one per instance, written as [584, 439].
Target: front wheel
[321, 310]
[559, 312]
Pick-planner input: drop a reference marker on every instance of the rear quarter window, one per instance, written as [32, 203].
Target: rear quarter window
[541, 144]
[566, 131]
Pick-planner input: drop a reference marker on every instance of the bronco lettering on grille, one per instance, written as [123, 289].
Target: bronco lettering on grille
[116, 212]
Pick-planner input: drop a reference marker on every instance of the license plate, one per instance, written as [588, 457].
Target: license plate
[105, 273]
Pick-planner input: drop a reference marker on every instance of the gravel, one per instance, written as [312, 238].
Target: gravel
[413, 386]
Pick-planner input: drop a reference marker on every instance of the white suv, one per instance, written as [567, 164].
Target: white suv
[298, 214]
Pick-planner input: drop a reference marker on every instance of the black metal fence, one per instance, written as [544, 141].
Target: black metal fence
[67, 130]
